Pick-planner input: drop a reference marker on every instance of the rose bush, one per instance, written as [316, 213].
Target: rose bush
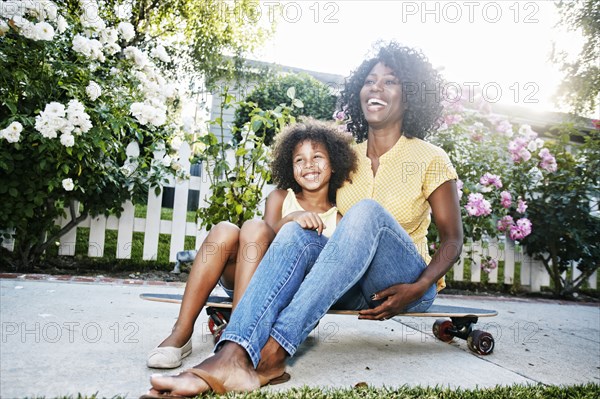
[73, 95]
[512, 186]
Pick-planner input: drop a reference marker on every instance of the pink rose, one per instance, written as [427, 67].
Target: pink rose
[505, 199]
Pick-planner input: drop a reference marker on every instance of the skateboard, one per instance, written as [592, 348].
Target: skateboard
[458, 321]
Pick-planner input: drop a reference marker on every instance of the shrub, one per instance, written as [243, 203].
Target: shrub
[317, 100]
[73, 96]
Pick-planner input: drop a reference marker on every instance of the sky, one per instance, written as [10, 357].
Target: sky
[501, 47]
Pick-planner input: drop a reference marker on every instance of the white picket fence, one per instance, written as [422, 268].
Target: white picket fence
[532, 272]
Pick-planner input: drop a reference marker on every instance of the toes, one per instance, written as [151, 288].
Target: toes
[161, 383]
[183, 384]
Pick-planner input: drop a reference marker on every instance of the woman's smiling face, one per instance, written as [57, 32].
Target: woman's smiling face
[381, 98]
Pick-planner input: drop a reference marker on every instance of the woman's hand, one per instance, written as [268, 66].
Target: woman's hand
[308, 220]
[395, 299]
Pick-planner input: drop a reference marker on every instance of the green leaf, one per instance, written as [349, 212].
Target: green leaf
[13, 192]
[297, 103]
[291, 92]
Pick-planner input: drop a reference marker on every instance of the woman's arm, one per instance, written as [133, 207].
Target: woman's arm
[445, 209]
[446, 214]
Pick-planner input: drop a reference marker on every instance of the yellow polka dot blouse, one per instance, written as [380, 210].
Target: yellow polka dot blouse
[408, 173]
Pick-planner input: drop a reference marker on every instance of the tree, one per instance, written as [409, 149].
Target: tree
[201, 33]
[317, 99]
[581, 83]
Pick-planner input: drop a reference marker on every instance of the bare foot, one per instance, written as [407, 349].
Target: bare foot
[272, 361]
[230, 365]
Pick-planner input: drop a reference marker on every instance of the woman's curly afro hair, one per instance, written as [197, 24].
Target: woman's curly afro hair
[421, 87]
[343, 159]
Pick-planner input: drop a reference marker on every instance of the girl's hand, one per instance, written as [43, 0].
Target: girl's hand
[395, 299]
[309, 221]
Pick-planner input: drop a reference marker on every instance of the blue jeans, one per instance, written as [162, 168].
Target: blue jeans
[303, 275]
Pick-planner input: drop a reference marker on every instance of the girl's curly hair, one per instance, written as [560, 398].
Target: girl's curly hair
[421, 90]
[343, 159]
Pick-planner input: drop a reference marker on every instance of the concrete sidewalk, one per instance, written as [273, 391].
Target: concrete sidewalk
[62, 338]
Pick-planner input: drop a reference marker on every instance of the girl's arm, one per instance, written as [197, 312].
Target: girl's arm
[273, 209]
[308, 220]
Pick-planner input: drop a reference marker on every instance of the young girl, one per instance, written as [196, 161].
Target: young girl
[311, 160]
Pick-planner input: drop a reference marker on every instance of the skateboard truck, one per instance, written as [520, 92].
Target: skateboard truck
[478, 341]
[217, 321]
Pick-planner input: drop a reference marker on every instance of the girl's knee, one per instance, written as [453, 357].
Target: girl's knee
[253, 230]
[225, 232]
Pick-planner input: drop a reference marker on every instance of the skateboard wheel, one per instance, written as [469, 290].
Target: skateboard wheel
[441, 330]
[481, 342]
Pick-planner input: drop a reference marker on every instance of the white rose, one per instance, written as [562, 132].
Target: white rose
[43, 31]
[67, 140]
[50, 10]
[75, 106]
[109, 35]
[160, 53]
[176, 142]
[176, 166]
[3, 28]
[68, 184]
[10, 9]
[123, 11]
[166, 161]
[159, 118]
[137, 55]
[12, 134]
[90, 16]
[61, 24]
[54, 110]
[112, 48]
[93, 90]
[126, 30]
[15, 127]
[82, 45]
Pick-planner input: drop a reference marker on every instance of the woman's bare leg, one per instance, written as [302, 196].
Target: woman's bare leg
[217, 253]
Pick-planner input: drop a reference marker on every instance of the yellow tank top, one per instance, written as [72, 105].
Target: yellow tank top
[291, 204]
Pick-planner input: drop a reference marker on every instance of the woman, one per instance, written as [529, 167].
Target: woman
[377, 258]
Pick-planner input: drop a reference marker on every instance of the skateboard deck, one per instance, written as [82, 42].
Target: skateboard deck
[460, 324]
[433, 311]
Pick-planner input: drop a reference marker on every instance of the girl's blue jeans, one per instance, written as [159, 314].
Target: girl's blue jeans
[303, 275]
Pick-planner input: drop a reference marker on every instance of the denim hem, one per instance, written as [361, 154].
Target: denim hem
[254, 357]
[285, 344]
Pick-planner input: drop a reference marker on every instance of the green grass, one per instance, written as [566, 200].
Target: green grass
[110, 250]
[165, 213]
[585, 391]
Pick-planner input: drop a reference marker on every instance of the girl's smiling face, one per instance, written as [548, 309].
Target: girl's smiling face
[312, 165]
[381, 98]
